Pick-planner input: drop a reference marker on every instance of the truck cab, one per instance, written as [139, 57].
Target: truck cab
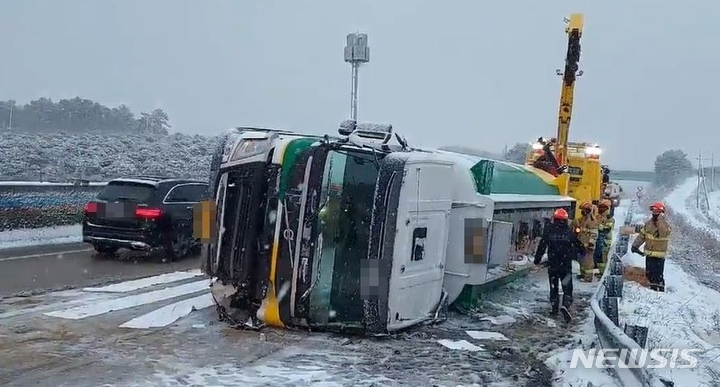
[584, 170]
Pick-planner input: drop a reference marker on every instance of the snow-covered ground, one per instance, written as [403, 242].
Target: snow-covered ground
[509, 331]
[579, 377]
[585, 338]
[41, 236]
[154, 332]
[687, 315]
[683, 201]
[714, 200]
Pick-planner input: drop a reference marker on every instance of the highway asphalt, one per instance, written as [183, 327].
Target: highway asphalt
[37, 269]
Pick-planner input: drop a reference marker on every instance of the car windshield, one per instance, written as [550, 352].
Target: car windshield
[348, 189]
[126, 191]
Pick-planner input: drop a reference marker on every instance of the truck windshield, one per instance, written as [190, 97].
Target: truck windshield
[343, 224]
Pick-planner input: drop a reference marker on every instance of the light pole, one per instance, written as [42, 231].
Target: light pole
[357, 52]
[12, 107]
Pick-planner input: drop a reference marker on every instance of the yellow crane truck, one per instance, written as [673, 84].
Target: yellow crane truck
[576, 165]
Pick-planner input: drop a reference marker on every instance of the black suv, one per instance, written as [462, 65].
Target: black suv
[144, 213]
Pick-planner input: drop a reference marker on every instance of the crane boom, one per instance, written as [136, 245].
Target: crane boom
[575, 165]
[572, 59]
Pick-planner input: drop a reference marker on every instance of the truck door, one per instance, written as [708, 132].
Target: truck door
[420, 243]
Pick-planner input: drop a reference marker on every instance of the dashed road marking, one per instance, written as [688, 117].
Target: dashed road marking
[129, 286]
[101, 307]
[170, 313]
[18, 257]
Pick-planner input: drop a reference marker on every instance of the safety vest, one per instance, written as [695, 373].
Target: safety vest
[606, 224]
[587, 230]
[655, 236]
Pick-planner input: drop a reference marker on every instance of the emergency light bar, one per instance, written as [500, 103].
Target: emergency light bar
[593, 150]
[371, 133]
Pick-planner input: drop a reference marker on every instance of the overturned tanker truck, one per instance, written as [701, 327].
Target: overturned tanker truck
[361, 232]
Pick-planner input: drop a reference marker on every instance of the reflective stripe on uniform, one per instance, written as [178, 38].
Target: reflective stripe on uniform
[652, 237]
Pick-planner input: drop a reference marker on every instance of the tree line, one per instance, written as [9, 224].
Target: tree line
[79, 115]
[83, 115]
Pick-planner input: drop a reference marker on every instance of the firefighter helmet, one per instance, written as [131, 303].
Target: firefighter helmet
[586, 206]
[657, 208]
[560, 214]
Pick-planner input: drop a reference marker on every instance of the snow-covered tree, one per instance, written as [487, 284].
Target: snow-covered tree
[99, 157]
[671, 167]
[154, 123]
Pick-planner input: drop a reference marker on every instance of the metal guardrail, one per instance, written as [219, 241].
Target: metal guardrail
[33, 204]
[605, 305]
[27, 184]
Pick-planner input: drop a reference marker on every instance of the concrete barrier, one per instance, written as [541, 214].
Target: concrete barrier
[35, 204]
[604, 304]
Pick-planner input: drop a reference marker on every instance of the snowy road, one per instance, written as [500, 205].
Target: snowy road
[51, 267]
[75, 338]
[163, 331]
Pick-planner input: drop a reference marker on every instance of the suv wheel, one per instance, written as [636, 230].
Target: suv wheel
[177, 249]
[195, 247]
[102, 249]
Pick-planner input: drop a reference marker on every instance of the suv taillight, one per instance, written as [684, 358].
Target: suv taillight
[148, 213]
[91, 208]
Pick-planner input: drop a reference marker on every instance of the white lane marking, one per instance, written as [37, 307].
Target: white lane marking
[54, 304]
[43, 255]
[169, 314]
[105, 306]
[129, 286]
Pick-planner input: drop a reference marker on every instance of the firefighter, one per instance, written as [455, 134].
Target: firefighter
[587, 230]
[562, 245]
[655, 235]
[606, 224]
[605, 174]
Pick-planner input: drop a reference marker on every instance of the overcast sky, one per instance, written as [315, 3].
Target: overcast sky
[476, 73]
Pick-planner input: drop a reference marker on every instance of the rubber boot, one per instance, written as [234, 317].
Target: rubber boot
[601, 269]
[555, 308]
[587, 266]
[566, 313]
